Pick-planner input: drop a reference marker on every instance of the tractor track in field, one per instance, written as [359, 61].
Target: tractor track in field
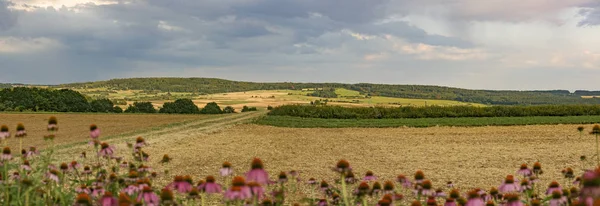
[169, 132]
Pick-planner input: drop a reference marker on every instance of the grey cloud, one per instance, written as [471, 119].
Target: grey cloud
[591, 14]
[8, 18]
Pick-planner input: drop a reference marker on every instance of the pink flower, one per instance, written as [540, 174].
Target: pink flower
[6, 154]
[83, 189]
[238, 193]
[149, 197]
[369, 176]
[74, 165]
[106, 150]
[210, 187]
[509, 185]
[94, 132]
[131, 189]
[98, 191]
[53, 175]
[108, 200]
[404, 181]
[450, 202]
[256, 190]
[554, 186]
[474, 199]
[31, 153]
[180, 185]
[257, 173]
[523, 170]
[26, 166]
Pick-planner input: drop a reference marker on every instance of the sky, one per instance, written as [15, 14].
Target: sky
[478, 44]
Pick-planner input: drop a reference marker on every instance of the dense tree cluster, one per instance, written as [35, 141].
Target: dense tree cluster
[211, 85]
[248, 109]
[338, 112]
[180, 106]
[141, 107]
[325, 93]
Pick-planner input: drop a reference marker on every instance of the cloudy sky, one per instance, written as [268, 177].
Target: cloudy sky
[492, 44]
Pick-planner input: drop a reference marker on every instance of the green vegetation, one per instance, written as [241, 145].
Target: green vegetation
[299, 122]
[48, 100]
[104, 105]
[338, 112]
[325, 93]
[141, 107]
[180, 106]
[211, 86]
[211, 108]
[249, 109]
[228, 109]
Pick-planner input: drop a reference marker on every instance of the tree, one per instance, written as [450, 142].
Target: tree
[211, 108]
[228, 109]
[141, 107]
[102, 105]
[248, 109]
[180, 106]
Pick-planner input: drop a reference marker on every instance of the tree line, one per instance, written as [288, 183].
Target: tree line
[213, 85]
[338, 112]
[65, 100]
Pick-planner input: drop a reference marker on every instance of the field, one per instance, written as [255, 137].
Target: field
[263, 98]
[470, 157]
[75, 127]
[299, 122]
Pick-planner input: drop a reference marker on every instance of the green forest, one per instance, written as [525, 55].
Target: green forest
[213, 85]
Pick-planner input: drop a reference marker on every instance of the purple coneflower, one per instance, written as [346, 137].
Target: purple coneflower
[525, 185]
[474, 199]
[4, 133]
[257, 173]
[568, 173]
[509, 185]
[20, 130]
[557, 199]
[554, 186]
[369, 176]
[26, 166]
[52, 124]
[430, 201]
[343, 167]
[282, 177]
[139, 142]
[256, 190]
[523, 170]
[311, 181]
[449, 184]
[106, 150]
[132, 176]
[403, 181]
[144, 168]
[419, 176]
[512, 200]
[450, 202]
[376, 189]
[350, 179]
[226, 170]
[131, 189]
[239, 190]
[97, 191]
[210, 186]
[324, 185]
[149, 197]
[388, 187]
[180, 185]
[363, 189]
[108, 199]
[6, 154]
[87, 170]
[537, 168]
[83, 189]
[83, 199]
[94, 132]
[53, 175]
[440, 193]
[74, 165]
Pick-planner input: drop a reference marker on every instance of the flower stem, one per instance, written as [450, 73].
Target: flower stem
[202, 199]
[597, 152]
[344, 190]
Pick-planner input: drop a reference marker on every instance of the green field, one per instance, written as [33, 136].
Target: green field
[298, 122]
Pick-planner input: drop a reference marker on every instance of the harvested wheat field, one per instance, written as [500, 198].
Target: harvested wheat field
[75, 127]
[471, 157]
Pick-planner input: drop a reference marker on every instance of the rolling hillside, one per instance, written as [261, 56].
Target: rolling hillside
[213, 86]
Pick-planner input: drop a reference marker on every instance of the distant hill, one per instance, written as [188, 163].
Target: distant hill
[213, 85]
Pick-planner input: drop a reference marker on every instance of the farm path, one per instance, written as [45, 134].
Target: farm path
[170, 134]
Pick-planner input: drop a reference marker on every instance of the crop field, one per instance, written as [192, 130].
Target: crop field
[299, 122]
[470, 157]
[75, 127]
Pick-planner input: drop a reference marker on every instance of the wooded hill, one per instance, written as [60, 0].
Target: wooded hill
[213, 85]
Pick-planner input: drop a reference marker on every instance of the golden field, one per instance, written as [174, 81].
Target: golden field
[470, 157]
